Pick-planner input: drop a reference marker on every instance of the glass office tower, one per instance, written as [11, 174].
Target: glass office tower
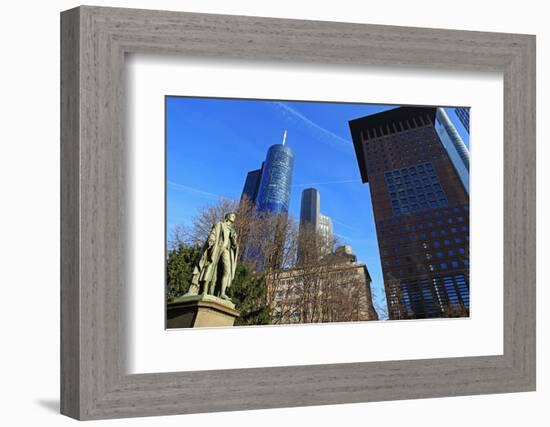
[463, 114]
[274, 188]
[421, 210]
[453, 143]
[268, 188]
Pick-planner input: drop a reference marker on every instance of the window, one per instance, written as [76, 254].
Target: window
[411, 195]
[454, 264]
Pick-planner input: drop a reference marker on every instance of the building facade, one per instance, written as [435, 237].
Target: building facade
[463, 114]
[421, 210]
[335, 290]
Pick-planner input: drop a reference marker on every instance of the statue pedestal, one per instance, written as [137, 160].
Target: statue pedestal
[198, 311]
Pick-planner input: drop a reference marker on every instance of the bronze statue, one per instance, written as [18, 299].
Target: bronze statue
[216, 268]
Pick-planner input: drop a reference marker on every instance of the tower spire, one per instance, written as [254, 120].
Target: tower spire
[284, 137]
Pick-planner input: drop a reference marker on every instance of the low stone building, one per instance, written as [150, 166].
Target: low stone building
[335, 289]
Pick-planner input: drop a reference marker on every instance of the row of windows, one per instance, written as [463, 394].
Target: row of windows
[403, 149]
[427, 256]
[411, 227]
[431, 298]
[411, 238]
[408, 194]
[415, 247]
[433, 233]
[413, 191]
[425, 215]
[404, 209]
[382, 163]
[396, 127]
[450, 265]
[413, 170]
[424, 183]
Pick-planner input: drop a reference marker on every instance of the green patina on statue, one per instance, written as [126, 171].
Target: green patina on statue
[216, 268]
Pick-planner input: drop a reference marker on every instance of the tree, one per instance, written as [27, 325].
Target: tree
[284, 274]
[179, 269]
[248, 292]
[204, 220]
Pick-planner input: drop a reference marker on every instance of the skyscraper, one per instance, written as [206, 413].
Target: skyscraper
[251, 185]
[276, 178]
[463, 114]
[310, 215]
[454, 145]
[268, 189]
[421, 211]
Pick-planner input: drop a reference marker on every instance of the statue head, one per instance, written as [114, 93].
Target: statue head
[230, 217]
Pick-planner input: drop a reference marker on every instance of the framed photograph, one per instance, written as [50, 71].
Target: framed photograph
[285, 213]
[286, 262]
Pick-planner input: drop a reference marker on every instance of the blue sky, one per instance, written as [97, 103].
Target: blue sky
[211, 144]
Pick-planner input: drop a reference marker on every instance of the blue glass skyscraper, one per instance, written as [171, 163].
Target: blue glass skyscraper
[268, 188]
[454, 145]
[463, 114]
[274, 189]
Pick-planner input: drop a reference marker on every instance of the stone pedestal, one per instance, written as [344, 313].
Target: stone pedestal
[198, 311]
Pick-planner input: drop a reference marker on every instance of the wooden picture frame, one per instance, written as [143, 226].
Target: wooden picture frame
[94, 382]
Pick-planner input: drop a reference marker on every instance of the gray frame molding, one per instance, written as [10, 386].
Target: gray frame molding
[94, 41]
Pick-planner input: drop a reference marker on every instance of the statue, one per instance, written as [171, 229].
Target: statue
[216, 268]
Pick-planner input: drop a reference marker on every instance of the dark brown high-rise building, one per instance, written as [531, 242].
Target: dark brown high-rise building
[421, 211]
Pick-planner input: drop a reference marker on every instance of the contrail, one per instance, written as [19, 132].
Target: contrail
[311, 123]
[194, 190]
[349, 227]
[328, 182]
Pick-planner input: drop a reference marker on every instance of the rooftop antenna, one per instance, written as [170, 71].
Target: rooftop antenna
[284, 137]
